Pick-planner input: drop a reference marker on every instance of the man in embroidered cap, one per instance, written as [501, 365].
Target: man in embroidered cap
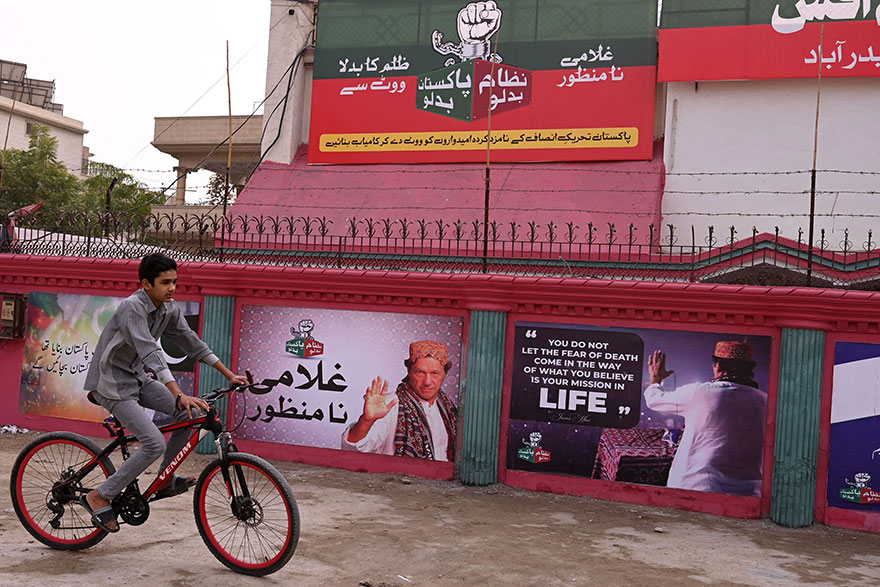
[722, 448]
[418, 419]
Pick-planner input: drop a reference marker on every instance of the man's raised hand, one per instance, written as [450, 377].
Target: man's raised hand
[375, 406]
[657, 367]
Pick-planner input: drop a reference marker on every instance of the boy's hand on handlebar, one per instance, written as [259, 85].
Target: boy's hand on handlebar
[190, 403]
[238, 380]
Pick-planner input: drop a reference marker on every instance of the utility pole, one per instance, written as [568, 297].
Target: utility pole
[107, 207]
[813, 169]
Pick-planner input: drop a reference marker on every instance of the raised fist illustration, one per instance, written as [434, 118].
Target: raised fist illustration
[478, 21]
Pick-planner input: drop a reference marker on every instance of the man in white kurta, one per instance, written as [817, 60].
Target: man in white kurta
[722, 446]
[380, 438]
[418, 419]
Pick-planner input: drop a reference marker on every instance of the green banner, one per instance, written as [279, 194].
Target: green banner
[536, 34]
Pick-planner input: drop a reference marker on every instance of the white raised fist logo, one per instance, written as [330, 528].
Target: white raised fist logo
[534, 440]
[477, 22]
[860, 480]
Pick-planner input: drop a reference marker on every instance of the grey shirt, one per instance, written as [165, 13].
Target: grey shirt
[130, 343]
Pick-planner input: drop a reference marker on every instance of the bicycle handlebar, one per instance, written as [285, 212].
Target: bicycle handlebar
[216, 394]
[264, 386]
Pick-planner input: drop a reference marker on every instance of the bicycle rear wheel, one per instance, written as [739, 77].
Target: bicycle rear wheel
[44, 492]
[252, 525]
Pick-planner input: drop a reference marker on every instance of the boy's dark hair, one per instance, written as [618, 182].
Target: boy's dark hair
[154, 264]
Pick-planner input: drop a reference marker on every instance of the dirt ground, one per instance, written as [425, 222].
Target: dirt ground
[385, 530]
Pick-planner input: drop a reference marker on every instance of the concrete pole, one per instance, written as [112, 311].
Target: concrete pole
[292, 28]
[180, 194]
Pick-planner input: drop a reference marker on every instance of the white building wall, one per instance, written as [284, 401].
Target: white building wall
[67, 131]
[292, 28]
[740, 153]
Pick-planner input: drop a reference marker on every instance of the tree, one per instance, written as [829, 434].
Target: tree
[36, 175]
[217, 189]
[129, 196]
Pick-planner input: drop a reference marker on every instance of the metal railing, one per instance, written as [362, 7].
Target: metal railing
[565, 249]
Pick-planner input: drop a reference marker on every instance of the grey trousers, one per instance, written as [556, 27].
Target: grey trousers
[131, 414]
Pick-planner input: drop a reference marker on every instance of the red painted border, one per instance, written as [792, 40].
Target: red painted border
[825, 514]
[708, 503]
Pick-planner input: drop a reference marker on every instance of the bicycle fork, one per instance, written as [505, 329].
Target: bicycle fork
[239, 499]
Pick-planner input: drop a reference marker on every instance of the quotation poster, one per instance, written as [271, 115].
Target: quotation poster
[578, 407]
[316, 365]
[61, 335]
[854, 459]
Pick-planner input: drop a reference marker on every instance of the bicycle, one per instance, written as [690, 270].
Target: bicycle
[244, 508]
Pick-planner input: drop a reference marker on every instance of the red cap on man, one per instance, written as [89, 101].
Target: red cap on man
[734, 349]
[428, 348]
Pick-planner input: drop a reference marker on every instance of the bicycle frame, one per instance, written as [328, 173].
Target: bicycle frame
[202, 425]
[209, 422]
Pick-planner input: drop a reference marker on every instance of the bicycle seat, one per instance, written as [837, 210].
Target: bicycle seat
[111, 420]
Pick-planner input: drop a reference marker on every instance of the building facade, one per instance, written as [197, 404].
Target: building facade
[25, 102]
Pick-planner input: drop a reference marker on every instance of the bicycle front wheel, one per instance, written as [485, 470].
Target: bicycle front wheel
[252, 524]
[44, 489]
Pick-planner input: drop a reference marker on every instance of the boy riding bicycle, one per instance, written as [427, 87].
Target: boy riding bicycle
[117, 380]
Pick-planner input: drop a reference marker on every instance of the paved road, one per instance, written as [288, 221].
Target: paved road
[387, 530]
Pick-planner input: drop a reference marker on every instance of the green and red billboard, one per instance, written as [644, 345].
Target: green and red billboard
[768, 39]
[411, 81]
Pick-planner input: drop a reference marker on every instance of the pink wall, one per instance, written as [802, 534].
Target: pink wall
[617, 192]
[844, 315]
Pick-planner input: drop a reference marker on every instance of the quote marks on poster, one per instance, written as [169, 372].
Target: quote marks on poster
[576, 376]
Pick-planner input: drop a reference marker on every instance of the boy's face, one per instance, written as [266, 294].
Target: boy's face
[162, 288]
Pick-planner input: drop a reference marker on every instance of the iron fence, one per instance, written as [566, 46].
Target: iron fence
[565, 250]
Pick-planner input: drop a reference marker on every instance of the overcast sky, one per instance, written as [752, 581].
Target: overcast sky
[117, 64]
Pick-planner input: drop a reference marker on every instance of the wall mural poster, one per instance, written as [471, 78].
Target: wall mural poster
[321, 368]
[854, 455]
[61, 336]
[640, 406]
[415, 81]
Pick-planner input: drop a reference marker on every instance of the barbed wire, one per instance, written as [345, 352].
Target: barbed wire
[417, 169]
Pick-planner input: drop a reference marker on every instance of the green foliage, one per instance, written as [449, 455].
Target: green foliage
[129, 196]
[217, 188]
[36, 175]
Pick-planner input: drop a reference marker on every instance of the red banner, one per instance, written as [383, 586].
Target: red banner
[840, 49]
[574, 114]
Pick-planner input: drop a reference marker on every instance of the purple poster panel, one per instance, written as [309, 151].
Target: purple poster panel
[338, 379]
[61, 336]
[679, 409]
[854, 460]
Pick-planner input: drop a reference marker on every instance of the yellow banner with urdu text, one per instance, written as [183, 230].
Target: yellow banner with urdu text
[566, 138]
